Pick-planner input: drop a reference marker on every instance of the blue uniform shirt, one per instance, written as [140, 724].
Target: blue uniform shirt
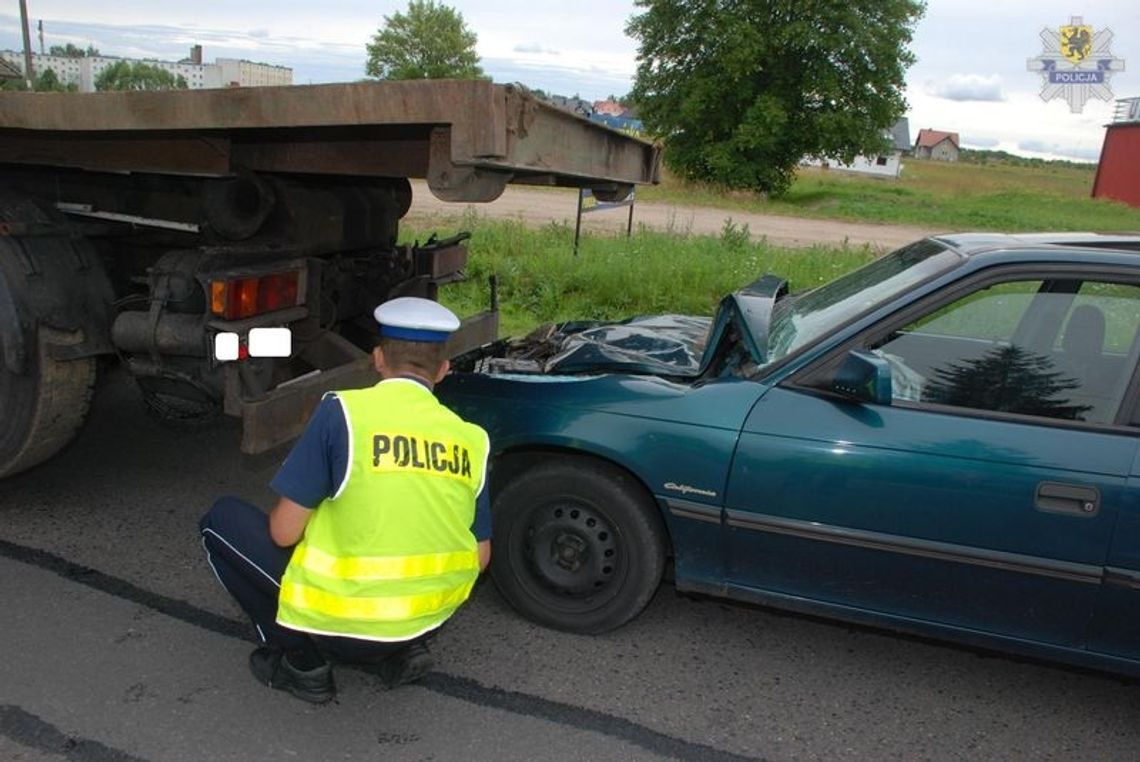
[319, 460]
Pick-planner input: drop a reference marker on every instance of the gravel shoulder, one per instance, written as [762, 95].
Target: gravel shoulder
[543, 206]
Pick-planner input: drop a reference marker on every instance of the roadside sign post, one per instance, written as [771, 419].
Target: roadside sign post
[588, 202]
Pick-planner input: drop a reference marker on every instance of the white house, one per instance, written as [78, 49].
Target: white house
[884, 165]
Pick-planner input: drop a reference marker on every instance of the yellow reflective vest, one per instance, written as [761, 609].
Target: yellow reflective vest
[391, 555]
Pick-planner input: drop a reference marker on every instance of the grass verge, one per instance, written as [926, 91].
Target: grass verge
[612, 277]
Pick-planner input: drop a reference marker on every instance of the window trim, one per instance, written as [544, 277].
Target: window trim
[1126, 413]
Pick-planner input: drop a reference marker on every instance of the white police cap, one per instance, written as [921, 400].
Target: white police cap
[414, 319]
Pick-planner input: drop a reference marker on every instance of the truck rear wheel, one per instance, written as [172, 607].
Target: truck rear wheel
[47, 371]
[44, 407]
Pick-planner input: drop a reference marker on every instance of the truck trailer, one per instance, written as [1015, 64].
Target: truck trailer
[137, 227]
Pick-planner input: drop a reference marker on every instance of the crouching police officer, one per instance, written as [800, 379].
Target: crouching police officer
[382, 526]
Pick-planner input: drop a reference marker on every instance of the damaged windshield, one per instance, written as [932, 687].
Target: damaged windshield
[799, 321]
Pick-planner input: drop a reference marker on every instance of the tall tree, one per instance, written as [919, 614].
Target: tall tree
[48, 82]
[741, 90]
[430, 41]
[124, 75]
[73, 51]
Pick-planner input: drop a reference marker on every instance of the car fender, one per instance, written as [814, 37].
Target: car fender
[640, 424]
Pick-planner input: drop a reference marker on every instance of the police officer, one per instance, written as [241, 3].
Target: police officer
[381, 528]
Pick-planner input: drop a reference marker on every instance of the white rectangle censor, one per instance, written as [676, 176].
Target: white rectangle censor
[270, 342]
[226, 347]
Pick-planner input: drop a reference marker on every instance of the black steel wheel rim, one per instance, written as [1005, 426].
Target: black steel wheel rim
[572, 550]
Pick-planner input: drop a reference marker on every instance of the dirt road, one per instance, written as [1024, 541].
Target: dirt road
[543, 206]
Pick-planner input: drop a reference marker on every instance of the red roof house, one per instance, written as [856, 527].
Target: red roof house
[612, 108]
[934, 144]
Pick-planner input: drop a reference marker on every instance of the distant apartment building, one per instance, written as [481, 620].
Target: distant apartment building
[235, 72]
[224, 72]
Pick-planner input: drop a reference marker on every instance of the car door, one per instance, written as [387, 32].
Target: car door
[1115, 630]
[983, 497]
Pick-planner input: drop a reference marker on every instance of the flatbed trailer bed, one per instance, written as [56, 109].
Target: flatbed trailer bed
[467, 138]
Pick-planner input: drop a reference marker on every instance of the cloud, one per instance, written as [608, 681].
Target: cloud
[968, 87]
[1059, 149]
[983, 142]
[585, 81]
[536, 49]
[258, 33]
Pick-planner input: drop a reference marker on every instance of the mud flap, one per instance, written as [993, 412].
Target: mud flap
[280, 416]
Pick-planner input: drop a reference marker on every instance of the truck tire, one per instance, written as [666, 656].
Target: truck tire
[578, 545]
[45, 407]
[44, 398]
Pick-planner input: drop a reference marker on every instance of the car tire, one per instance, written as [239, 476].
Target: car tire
[578, 545]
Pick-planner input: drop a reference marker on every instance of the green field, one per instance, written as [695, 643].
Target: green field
[540, 278]
[946, 195]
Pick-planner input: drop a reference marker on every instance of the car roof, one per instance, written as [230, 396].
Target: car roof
[971, 244]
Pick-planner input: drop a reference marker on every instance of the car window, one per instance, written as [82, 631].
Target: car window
[1120, 306]
[1055, 349]
[991, 313]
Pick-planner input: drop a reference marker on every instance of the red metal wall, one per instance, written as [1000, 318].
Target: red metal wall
[1118, 174]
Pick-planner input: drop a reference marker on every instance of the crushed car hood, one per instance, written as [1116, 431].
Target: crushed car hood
[670, 345]
[678, 346]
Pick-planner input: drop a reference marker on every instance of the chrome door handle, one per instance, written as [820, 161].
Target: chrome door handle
[1073, 499]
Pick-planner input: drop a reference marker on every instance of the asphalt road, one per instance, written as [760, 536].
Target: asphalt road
[116, 643]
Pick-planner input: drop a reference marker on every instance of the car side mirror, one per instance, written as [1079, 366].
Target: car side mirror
[865, 377]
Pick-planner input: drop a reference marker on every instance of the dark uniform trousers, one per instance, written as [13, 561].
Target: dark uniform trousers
[250, 565]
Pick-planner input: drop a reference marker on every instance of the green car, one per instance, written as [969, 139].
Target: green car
[943, 442]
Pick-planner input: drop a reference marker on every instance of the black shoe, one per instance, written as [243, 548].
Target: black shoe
[406, 666]
[271, 668]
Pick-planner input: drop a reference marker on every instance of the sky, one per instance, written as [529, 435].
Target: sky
[971, 76]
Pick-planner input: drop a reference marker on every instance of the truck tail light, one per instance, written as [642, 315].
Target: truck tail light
[240, 298]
